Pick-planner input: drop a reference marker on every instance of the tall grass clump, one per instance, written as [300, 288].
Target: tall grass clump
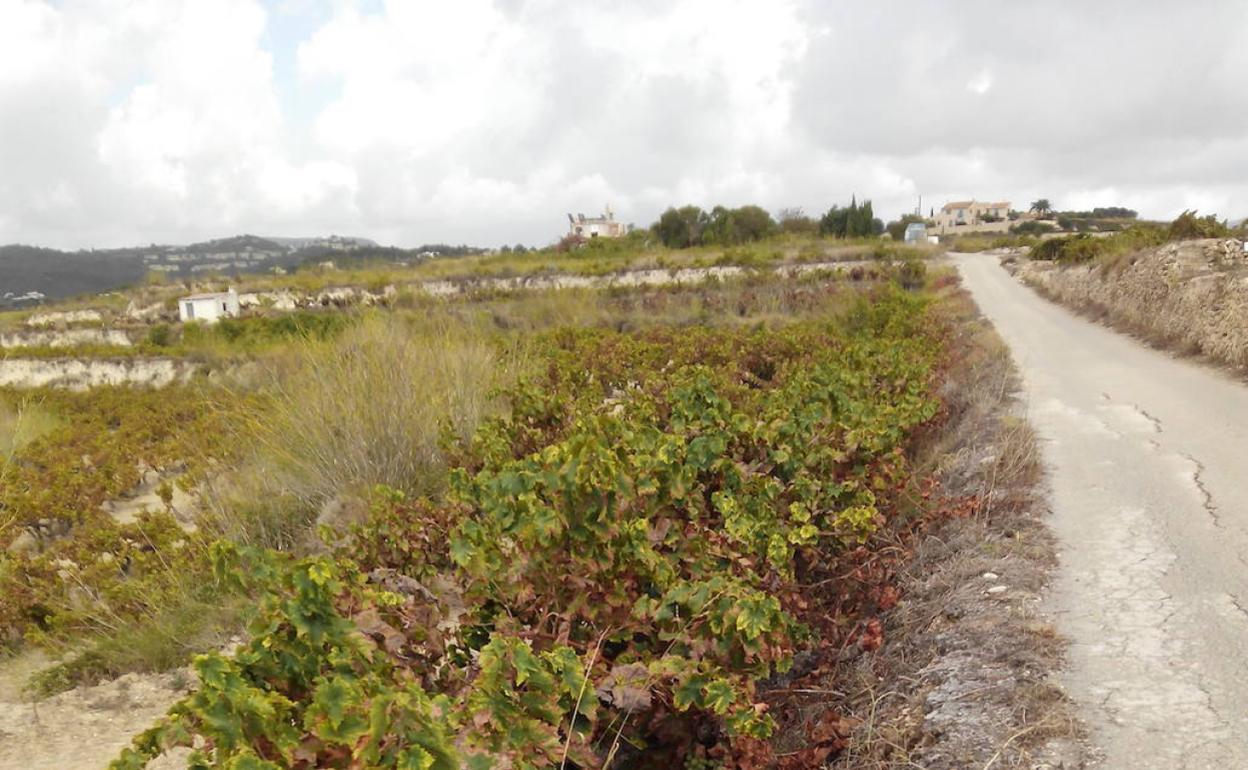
[372, 407]
[21, 422]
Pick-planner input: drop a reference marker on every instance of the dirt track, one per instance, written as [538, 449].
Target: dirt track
[1148, 465]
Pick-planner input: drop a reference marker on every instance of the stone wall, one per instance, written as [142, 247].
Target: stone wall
[1191, 296]
[81, 374]
[65, 338]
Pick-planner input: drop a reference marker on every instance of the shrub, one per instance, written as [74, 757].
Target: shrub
[160, 335]
[1048, 251]
[912, 274]
[1189, 226]
[1084, 247]
[1032, 227]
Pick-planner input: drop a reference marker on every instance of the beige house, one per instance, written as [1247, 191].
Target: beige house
[604, 226]
[973, 217]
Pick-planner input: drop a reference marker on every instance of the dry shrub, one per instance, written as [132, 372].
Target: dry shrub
[371, 407]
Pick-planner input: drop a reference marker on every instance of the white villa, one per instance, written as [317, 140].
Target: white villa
[209, 308]
[604, 226]
[973, 216]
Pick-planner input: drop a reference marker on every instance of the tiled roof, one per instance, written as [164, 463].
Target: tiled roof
[975, 204]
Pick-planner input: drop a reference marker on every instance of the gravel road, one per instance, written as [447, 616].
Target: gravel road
[1147, 459]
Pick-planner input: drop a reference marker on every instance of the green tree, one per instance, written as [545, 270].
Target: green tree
[1041, 208]
[865, 224]
[680, 228]
[834, 222]
[795, 221]
[856, 221]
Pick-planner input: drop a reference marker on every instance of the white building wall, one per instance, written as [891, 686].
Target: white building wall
[209, 308]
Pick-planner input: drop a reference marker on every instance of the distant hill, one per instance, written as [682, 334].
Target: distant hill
[32, 274]
[26, 270]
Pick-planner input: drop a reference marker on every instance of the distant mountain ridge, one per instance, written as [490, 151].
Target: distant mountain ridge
[32, 274]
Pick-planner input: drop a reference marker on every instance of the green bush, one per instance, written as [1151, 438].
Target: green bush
[160, 335]
[1032, 227]
[1049, 250]
[1084, 247]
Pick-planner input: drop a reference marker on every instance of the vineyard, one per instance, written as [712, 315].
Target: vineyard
[71, 567]
[656, 523]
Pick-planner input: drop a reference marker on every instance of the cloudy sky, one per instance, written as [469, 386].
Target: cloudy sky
[484, 121]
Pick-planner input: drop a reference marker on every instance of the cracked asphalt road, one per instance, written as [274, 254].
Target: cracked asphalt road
[1147, 459]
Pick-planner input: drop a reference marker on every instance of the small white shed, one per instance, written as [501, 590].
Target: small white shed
[916, 232]
[209, 308]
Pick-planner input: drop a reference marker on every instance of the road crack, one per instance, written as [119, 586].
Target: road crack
[1147, 416]
[1141, 411]
[1238, 605]
[1207, 497]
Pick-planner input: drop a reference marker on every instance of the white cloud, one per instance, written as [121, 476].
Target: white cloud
[484, 121]
[981, 83]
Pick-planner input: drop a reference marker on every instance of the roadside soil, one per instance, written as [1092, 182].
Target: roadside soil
[85, 728]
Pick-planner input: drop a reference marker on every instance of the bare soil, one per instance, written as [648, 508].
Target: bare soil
[85, 728]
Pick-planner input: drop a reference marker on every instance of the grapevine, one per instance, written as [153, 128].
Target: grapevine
[616, 562]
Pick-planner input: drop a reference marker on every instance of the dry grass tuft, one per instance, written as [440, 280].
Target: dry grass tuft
[369, 408]
[21, 422]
